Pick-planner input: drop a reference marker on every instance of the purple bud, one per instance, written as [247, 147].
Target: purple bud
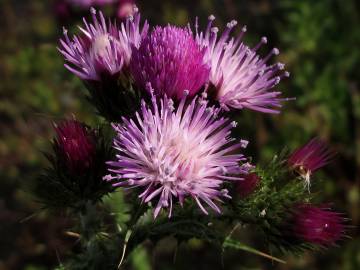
[309, 158]
[76, 145]
[248, 185]
[317, 225]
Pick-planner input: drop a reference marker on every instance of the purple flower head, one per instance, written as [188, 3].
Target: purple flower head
[171, 61]
[248, 185]
[241, 78]
[103, 48]
[76, 145]
[309, 158]
[317, 225]
[174, 154]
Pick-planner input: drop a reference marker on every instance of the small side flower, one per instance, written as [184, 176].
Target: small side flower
[77, 165]
[317, 225]
[247, 185]
[309, 158]
[75, 145]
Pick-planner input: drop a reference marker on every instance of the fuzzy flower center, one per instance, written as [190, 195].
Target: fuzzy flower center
[178, 160]
[100, 46]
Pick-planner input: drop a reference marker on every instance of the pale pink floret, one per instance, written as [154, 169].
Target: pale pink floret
[241, 78]
[103, 48]
[180, 153]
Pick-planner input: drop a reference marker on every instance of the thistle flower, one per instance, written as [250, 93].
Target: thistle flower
[177, 154]
[103, 49]
[309, 158]
[76, 145]
[248, 185]
[171, 61]
[239, 76]
[317, 225]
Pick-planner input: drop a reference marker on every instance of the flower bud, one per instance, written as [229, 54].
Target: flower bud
[317, 225]
[76, 145]
[309, 158]
[248, 185]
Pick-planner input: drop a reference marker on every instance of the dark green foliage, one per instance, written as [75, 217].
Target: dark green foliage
[114, 97]
[98, 249]
[269, 208]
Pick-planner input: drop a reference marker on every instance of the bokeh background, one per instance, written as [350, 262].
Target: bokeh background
[319, 41]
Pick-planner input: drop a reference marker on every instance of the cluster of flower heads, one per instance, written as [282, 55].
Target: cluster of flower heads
[178, 145]
[173, 59]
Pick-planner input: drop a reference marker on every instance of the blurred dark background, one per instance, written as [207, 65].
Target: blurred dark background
[319, 41]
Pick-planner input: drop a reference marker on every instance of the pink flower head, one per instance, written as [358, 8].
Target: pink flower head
[318, 225]
[186, 152]
[309, 158]
[248, 185]
[76, 145]
[103, 48]
[171, 61]
[241, 78]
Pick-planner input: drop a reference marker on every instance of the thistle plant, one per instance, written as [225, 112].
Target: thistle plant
[166, 146]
